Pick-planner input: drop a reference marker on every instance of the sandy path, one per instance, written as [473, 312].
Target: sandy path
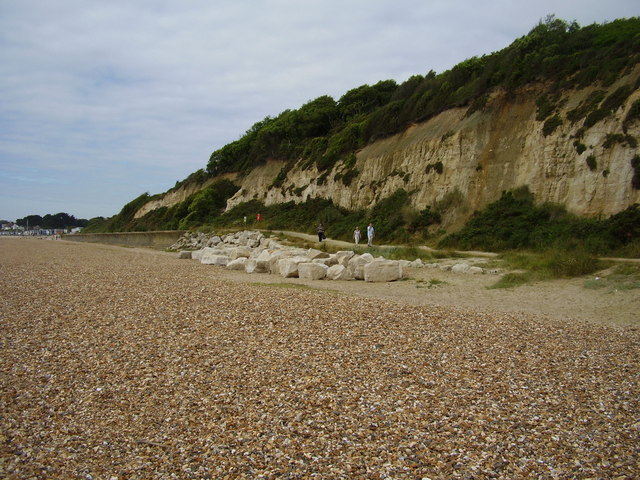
[131, 364]
[565, 299]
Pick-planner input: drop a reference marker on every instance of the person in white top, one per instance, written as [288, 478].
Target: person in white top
[370, 235]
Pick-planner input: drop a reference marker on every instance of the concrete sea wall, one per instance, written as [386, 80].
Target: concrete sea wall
[160, 239]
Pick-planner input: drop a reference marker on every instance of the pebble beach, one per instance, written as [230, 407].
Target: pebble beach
[122, 363]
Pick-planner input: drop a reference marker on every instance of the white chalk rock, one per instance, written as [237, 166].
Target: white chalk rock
[460, 268]
[241, 251]
[312, 270]
[382, 271]
[237, 264]
[357, 263]
[215, 260]
[339, 272]
[343, 256]
[313, 253]
[288, 267]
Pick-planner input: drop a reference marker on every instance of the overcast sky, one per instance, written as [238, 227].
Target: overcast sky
[101, 101]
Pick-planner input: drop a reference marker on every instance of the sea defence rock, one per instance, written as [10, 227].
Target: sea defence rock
[382, 271]
[215, 259]
[312, 270]
[343, 256]
[339, 272]
[254, 253]
[258, 264]
[460, 268]
[288, 267]
[313, 254]
[237, 264]
[241, 251]
[356, 265]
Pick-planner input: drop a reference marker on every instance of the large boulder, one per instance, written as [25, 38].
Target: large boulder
[184, 254]
[312, 271]
[288, 267]
[214, 256]
[259, 264]
[213, 241]
[276, 256]
[313, 253]
[382, 271]
[230, 239]
[237, 264]
[356, 265]
[343, 256]
[242, 238]
[417, 263]
[197, 254]
[215, 260]
[205, 252]
[460, 268]
[326, 261]
[339, 272]
[240, 251]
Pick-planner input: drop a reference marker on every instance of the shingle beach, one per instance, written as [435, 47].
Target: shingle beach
[120, 363]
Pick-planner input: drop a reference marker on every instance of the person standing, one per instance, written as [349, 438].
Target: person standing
[321, 232]
[356, 235]
[370, 234]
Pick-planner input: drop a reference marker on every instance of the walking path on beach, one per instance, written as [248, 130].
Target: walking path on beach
[129, 363]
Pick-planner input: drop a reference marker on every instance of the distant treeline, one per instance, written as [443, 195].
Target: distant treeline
[58, 220]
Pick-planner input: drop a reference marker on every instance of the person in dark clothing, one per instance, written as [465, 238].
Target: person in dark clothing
[321, 235]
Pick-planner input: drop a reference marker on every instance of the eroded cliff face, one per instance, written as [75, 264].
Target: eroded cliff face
[178, 195]
[460, 162]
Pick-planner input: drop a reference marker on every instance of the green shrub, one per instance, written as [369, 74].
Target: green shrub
[595, 116]
[614, 101]
[349, 175]
[591, 162]
[438, 167]
[573, 263]
[514, 222]
[587, 106]
[551, 124]
[510, 280]
[580, 147]
[545, 107]
[635, 179]
[612, 138]
[423, 220]
[546, 265]
[633, 115]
